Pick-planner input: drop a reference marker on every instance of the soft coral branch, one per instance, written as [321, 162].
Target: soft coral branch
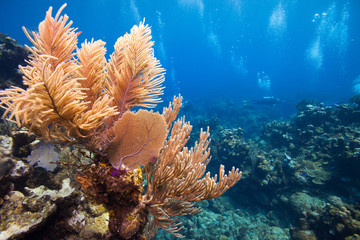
[178, 178]
[134, 73]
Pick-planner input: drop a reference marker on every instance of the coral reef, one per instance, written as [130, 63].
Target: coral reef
[300, 178]
[248, 115]
[74, 97]
[127, 173]
[308, 166]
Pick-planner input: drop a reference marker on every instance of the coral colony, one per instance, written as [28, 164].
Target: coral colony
[75, 96]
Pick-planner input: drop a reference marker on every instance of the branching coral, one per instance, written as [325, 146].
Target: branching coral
[76, 96]
[177, 177]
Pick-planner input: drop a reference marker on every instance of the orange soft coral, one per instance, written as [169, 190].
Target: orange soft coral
[75, 96]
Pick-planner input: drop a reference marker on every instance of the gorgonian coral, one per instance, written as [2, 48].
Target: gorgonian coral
[74, 96]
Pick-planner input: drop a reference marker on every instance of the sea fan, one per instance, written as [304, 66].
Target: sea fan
[138, 139]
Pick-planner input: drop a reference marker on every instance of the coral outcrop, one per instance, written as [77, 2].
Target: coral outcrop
[12, 55]
[22, 214]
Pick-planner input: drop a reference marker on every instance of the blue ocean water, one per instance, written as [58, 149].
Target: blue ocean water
[240, 64]
[231, 49]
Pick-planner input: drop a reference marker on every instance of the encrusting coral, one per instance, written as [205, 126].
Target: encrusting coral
[74, 96]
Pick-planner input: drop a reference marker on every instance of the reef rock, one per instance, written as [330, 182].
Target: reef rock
[22, 214]
[304, 204]
[11, 56]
